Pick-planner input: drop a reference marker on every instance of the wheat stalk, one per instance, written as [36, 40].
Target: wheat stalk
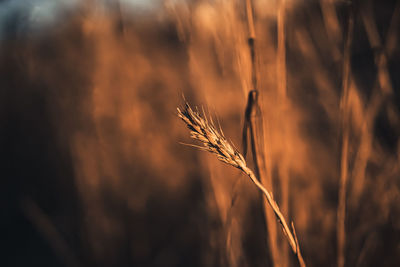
[341, 210]
[214, 141]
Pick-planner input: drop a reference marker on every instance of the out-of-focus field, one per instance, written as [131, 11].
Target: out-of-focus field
[92, 169]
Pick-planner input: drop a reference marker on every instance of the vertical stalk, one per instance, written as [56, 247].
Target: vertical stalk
[251, 41]
[341, 212]
[254, 124]
[281, 59]
[282, 100]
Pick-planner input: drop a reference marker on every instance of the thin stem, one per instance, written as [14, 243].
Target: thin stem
[253, 125]
[283, 102]
[281, 58]
[341, 212]
[286, 230]
[251, 41]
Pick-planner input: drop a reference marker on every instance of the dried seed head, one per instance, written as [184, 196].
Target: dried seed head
[213, 140]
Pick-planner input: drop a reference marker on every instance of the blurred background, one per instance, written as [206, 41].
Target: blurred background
[92, 169]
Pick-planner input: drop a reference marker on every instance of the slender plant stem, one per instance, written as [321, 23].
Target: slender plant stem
[281, 58]
[282, 100]
[251, 42]
[254, 125]
[292, 239]
[341, 212]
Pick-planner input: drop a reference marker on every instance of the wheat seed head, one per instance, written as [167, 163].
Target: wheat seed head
[213, 140]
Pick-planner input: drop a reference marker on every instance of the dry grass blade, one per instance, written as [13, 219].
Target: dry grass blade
[215, 142]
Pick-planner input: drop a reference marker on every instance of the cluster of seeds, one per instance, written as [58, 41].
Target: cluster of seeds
[213, 140]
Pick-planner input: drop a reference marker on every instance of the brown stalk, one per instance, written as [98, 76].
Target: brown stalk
[282, 98]
[281, 59]
[215, 142]
[341, 212]
[251, 42]
[253, 124]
